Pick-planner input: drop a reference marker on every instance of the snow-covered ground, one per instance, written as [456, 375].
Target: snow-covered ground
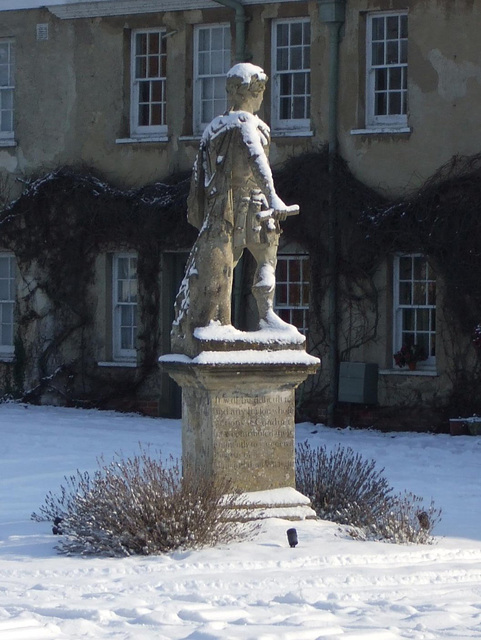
[330, 586]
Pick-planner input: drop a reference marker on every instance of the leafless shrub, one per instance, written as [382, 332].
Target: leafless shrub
[139, 505]
[345, 488]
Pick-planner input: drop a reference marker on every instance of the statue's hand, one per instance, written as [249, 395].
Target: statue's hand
[281, 209]
[282, 214]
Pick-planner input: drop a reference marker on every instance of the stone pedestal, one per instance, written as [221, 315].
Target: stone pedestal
[238, 418]
[238, 421]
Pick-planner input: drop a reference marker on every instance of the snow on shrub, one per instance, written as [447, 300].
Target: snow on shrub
[139, 505]
[345, 488]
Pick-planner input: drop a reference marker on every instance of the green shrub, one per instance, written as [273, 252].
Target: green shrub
[139, 505]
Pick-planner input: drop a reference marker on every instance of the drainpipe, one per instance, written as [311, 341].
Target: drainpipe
[240, 28]
[332, 13]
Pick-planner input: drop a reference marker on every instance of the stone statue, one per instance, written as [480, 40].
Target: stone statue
[233, 203]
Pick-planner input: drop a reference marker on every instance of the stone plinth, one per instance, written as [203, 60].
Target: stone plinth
[238, 414]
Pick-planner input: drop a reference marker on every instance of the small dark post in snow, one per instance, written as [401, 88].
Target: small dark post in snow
[292, 537]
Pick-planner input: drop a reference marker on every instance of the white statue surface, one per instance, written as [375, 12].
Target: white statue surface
[234, 204]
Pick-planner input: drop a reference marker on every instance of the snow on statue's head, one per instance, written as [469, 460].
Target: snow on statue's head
[244, 80]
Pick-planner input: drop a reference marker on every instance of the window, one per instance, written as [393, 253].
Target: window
[148, 73]
[7, 301]
[415, 305]
[7, 87]
[292, 290]
[124, 305]
[387, 68]
[212, 61]
[291, 76]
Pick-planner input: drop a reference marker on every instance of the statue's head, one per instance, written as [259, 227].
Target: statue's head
[245, 86]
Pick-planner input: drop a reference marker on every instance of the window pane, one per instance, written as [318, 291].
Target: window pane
[122, 267]
[405, 293]
[408, 319]
[296, 33]
[392, 52]
[432, 293]
[422, 339]
[141, 68]
[392, 28]
[4, 289]
[125, 338]
[281, 294]
[381, 104]
[306, 294]
[282, 59]
[395, 78]
[423, 323]
[381, 79]
[405, 268]
[419, 291]
[7, 334]
[378, 53]
[141, 43]
[299, 83]
[285, 109]
[217, 39]
[404, 26]
[378, 29]
[154, 67]
[419, 268]
[156, 88]
[299, 110]
[217, 64]
[282, 34]
[4, 76]
[154, 43]
[296, 58]
[395, 103]
[126, 316]
[4, 267]
[204, 39]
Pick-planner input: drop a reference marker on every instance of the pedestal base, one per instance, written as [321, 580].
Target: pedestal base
[285, 503]
[238, 415]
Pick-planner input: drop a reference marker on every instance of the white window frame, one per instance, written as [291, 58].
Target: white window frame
[7, 88]
[214, 77]
[118, 305]
[278, 122]
[294, 302]
[420, 288]
[136, 129]
[7, 304]
[396, 63]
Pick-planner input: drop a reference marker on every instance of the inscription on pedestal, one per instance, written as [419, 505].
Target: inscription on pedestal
[253, 439]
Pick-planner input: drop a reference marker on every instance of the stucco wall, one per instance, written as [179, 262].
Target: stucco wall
[444, 87]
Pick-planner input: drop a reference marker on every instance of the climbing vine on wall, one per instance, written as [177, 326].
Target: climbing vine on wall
[56, 229]
[440, 220]
[64, 220]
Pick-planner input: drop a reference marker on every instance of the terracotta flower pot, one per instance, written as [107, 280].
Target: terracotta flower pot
[412, 366]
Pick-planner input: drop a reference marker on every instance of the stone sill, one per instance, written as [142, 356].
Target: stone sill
[7, 357]
[292, 133]
[142, 140]
[380, 131]
[8, 142]
[116, 363]
[407, 372]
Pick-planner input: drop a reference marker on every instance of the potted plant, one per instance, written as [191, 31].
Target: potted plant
[409, 355]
